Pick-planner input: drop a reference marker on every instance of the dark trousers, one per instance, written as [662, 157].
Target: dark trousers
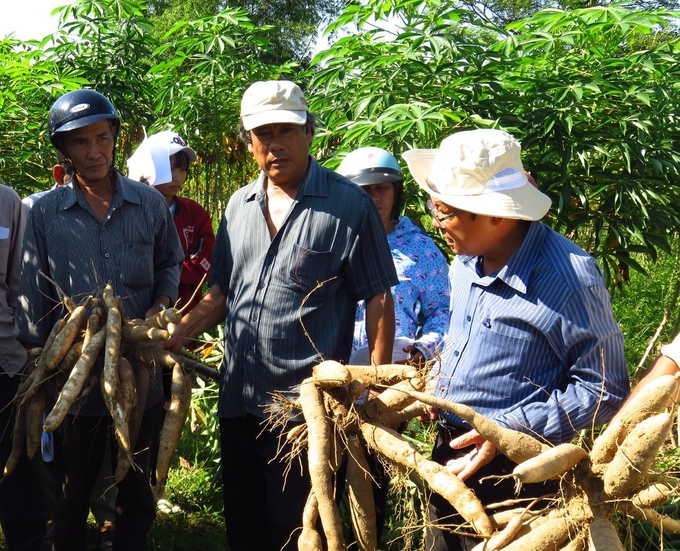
[263, 499]
[22, 511]
[489, 491]
[84, 447]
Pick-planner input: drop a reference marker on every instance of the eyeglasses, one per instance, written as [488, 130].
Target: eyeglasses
[436, 214]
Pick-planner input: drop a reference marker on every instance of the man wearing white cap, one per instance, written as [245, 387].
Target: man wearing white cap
[532, 341]
[296, 249]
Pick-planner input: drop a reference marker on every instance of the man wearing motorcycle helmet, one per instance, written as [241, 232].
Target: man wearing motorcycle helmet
[100, 228]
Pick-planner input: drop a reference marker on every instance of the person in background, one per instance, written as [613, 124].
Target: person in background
[22, 509]
[100, 228]
[295, 251]
[421, 299]
[162, 160]
[532, 342]
[60, 175]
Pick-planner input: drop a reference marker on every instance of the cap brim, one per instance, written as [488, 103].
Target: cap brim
[525, 202]
[274, 116]
[188, 151]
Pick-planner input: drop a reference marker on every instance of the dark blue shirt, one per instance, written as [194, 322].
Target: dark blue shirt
[291, 300]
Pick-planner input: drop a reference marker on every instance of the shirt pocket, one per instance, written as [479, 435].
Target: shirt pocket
[500, 358]
[137, 266]
[308, 269]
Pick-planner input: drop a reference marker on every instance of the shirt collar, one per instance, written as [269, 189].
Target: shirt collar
[123, 192]
[313, 184]
[517, 272]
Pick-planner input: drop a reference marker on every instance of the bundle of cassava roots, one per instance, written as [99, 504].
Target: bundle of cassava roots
[67, 368]
[615, 475]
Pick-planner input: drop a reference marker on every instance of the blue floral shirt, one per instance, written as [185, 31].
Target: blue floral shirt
[421, 299]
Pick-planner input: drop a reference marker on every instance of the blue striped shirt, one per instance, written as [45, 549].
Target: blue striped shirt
[330, 252]
[535, 346]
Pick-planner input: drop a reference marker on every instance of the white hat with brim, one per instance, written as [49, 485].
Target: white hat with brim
[273, 102]
[479, 171]
[151, 160]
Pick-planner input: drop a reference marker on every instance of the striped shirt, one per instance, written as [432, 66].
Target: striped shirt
[291, 300]
[534, 346]
[135, 248]
[12, 223]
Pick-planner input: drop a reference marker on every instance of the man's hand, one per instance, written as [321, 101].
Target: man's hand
[431, 415]
[178, 340]
[414, 357]
[483, 452]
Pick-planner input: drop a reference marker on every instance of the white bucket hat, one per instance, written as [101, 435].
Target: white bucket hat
[151, 160]
[479, 171]
[271, 102]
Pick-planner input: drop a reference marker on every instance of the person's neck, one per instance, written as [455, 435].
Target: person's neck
[102, 188]
[495, 259]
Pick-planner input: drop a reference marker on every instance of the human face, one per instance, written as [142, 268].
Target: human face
[383, 196]
[462, 230]
[179, 176]
[90, 150]
[281, 150]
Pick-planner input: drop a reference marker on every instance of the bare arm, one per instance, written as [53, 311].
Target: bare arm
[380, 327]
[204, 316]
[663, 365]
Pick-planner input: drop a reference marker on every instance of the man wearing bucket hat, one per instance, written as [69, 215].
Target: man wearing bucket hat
[295, 250]
[532, 341]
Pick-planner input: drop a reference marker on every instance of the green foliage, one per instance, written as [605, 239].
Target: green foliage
[201, 69]
[595, 116]
[294, 24]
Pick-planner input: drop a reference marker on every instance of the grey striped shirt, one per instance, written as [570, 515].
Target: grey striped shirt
[12, 222]
[135, 248]
[330, 252]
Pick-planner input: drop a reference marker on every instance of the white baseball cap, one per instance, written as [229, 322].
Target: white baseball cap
[271, 102]
[151, 160]
[479, 171]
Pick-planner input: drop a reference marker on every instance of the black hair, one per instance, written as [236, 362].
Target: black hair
[181, 160]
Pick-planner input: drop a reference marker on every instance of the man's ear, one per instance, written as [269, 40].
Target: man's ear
[58, 174]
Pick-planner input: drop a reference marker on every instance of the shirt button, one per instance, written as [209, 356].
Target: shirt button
[106, 255]
[254, 318]
[456, 353]
[109, 281]
[250, 353]
[468, 318]
[261, 285]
